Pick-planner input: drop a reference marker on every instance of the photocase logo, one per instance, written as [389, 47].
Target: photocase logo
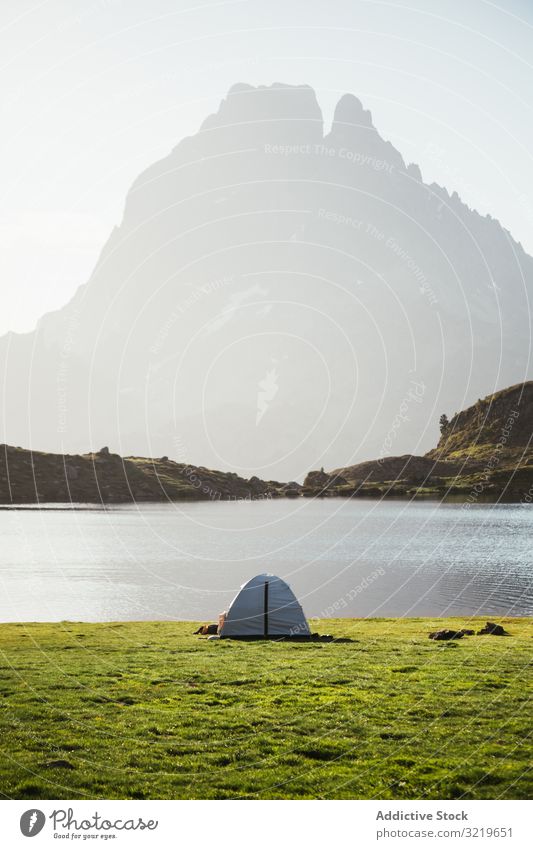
[268, 389]
[32, 822]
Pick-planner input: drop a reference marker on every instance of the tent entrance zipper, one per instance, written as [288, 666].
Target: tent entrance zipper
[265, 614]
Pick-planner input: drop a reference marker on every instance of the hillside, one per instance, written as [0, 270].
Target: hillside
[29, 477]
[485, 452]
[274, 293]
[502, 419]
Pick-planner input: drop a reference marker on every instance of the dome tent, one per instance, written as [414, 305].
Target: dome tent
[264, 607]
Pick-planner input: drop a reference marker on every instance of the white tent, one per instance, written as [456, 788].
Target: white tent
[264, 607]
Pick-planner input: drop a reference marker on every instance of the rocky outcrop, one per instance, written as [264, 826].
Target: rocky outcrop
[408, 467]
[322, 483]
[291, 489]
[494, 629]
[449, 634]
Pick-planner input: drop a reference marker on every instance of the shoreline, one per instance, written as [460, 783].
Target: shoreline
[313, 621]
[52, 506]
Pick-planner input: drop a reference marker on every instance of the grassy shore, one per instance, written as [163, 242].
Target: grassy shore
[146, 710]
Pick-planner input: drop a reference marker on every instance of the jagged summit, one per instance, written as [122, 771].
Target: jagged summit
[349, 113]
[278, 102]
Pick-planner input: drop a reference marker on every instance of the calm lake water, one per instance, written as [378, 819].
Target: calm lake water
[342, 558]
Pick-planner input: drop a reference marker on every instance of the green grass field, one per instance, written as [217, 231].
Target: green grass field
[146, 710]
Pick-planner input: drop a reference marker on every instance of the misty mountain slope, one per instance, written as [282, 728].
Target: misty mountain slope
[276, 299]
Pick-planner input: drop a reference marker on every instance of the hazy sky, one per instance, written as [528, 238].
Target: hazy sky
[92, 92]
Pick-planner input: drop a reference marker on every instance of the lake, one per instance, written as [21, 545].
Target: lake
[341, 557]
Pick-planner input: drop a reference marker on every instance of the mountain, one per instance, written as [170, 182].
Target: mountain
[485, 452]
[31, 477]
[277, 297]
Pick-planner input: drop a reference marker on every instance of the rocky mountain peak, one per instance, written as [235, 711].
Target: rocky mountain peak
[349, 113]
[277, 102]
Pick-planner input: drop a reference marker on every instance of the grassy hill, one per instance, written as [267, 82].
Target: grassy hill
[485, 453]
[28, 477]
[146, 710]
[502, 421]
